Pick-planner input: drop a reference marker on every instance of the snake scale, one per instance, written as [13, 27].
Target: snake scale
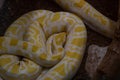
[51, 44]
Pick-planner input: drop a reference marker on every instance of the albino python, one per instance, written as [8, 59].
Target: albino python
[96, 21]
[51, 44]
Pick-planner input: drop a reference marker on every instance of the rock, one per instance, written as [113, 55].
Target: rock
[1, 78]
[95, 55]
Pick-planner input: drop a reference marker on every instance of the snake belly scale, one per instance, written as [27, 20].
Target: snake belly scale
[52, 45]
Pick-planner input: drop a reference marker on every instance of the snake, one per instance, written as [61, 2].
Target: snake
[39, 37]
[92, 17]
[46, 45]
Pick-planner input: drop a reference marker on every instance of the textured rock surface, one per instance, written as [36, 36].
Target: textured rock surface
[1, 79]
[12, 9]
[95, 56]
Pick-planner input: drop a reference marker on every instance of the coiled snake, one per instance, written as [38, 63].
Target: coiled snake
[52, 44]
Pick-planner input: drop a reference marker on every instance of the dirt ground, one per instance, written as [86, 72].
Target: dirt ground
[12, 9]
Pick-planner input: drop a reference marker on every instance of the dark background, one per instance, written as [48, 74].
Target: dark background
[12, 9]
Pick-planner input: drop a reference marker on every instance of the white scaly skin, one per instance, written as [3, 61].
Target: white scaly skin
[96, 21]
[53, 40]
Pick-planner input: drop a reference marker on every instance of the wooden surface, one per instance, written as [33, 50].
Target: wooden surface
[12, 9]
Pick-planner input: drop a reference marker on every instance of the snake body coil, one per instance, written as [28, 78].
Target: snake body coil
[45, 38]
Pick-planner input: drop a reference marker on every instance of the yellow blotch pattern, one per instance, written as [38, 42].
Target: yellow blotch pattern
[4, 61]
[54, 29]
[60, 69]
[99, 17]
[35, 48]
[19, 52]
[41, 20]
[55, 17]
[15, 69]
[70, 21]
[80, 3]
[87, 11]
[48, 78]
[56, 57]
[25, 45]
[35, 30]
[59, 39]
[23, 20]
[13, 30]
[60, 49]
[78, 41]
[1, 41]
[30, 69]
[79, 29]
[43, 56]
[73, 55]
[13, 42]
